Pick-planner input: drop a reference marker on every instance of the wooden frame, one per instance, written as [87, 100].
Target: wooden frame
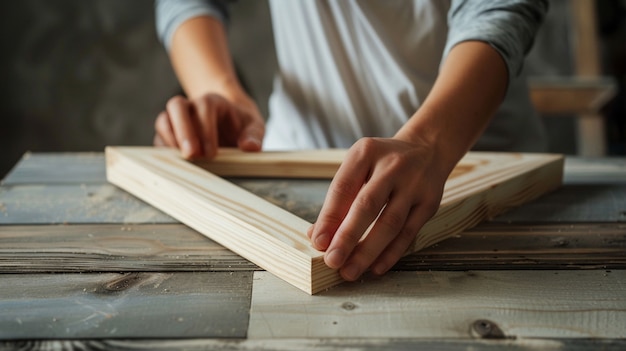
[482, 185]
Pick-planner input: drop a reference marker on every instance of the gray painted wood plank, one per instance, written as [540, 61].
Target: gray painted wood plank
[58, 188]
[573, 203]
[112, 248]
[135, 305]
[175, 247]
[77, 203]
[515, 304]
[326, 344]
[604, 170]
[58, 168]
[51, 204]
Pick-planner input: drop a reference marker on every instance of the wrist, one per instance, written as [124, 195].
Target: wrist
[427, 131]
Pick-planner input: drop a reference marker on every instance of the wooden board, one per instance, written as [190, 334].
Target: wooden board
[130, 305]
[483, 185]
[520, 304]
[319, 344]
[178, 248]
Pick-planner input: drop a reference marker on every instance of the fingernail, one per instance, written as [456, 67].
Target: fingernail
[334, 258]
[351, 272]
[379, 269]
[321, 241]
[254, 141]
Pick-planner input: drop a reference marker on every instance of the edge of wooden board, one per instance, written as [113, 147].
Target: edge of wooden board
[274, 238]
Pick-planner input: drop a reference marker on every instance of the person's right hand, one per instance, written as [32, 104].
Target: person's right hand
[198, 127]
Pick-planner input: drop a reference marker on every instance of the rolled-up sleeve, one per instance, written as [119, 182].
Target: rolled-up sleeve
[170, 14]
[509, 26]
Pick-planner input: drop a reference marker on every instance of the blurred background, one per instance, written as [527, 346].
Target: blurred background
[78, 75]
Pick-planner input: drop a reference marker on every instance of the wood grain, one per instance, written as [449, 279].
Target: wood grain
[178, 248]
[540, 304]
[58, 168]
[319, 344]
[277, 164]
[571, 95]
[275, 239]
[130, 305]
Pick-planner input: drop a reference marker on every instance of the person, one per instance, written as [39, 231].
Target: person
[408, 86]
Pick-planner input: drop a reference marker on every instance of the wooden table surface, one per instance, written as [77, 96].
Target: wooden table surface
[86, 266]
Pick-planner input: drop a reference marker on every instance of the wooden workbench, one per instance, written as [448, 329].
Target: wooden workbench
[84, 265]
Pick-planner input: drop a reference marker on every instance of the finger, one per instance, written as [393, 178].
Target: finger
[157, 141]
[418, 216]
[251, 138]
[178, 109]
[388, 225]
[348, 180]
[207, 110]
[366, 207]
[164, 130]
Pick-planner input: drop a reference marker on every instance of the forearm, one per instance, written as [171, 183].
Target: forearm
[471, 84]
[202, 61]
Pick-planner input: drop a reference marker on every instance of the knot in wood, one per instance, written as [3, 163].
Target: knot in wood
[487, 329]
[348, 306]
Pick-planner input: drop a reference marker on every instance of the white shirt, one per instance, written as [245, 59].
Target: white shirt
[351, 69]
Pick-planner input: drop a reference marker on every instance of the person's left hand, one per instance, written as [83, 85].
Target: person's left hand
[399, 182]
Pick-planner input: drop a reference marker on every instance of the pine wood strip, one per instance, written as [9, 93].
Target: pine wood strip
[571, 95]
[273, 238]
[520, 304]
[129, 305]
[250, 226]
[232, 162]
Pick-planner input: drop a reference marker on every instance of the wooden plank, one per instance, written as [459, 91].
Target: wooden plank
[318, 344]
[564, 96]
[135, 305]
[77, 203]
[58, 168]
[309, 164]
[113, 248]
[520, 304]
[515, 247]
[176, 247]
[594, 170]
[573, 203]
[275, 239]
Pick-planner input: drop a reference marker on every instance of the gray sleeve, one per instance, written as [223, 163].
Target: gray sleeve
[509, 26]
[170, 14]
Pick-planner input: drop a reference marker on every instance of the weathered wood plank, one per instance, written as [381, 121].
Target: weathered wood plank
[135, 305]
[516, 304]
[534, 246]
[113, 248]
[573, 203]
[58, 168]
[326, 344]
[79, 203]
[486, 185]
[583, 170]
[176, 247]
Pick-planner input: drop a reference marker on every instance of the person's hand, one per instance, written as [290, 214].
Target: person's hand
[399, 182]
[199, 126]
